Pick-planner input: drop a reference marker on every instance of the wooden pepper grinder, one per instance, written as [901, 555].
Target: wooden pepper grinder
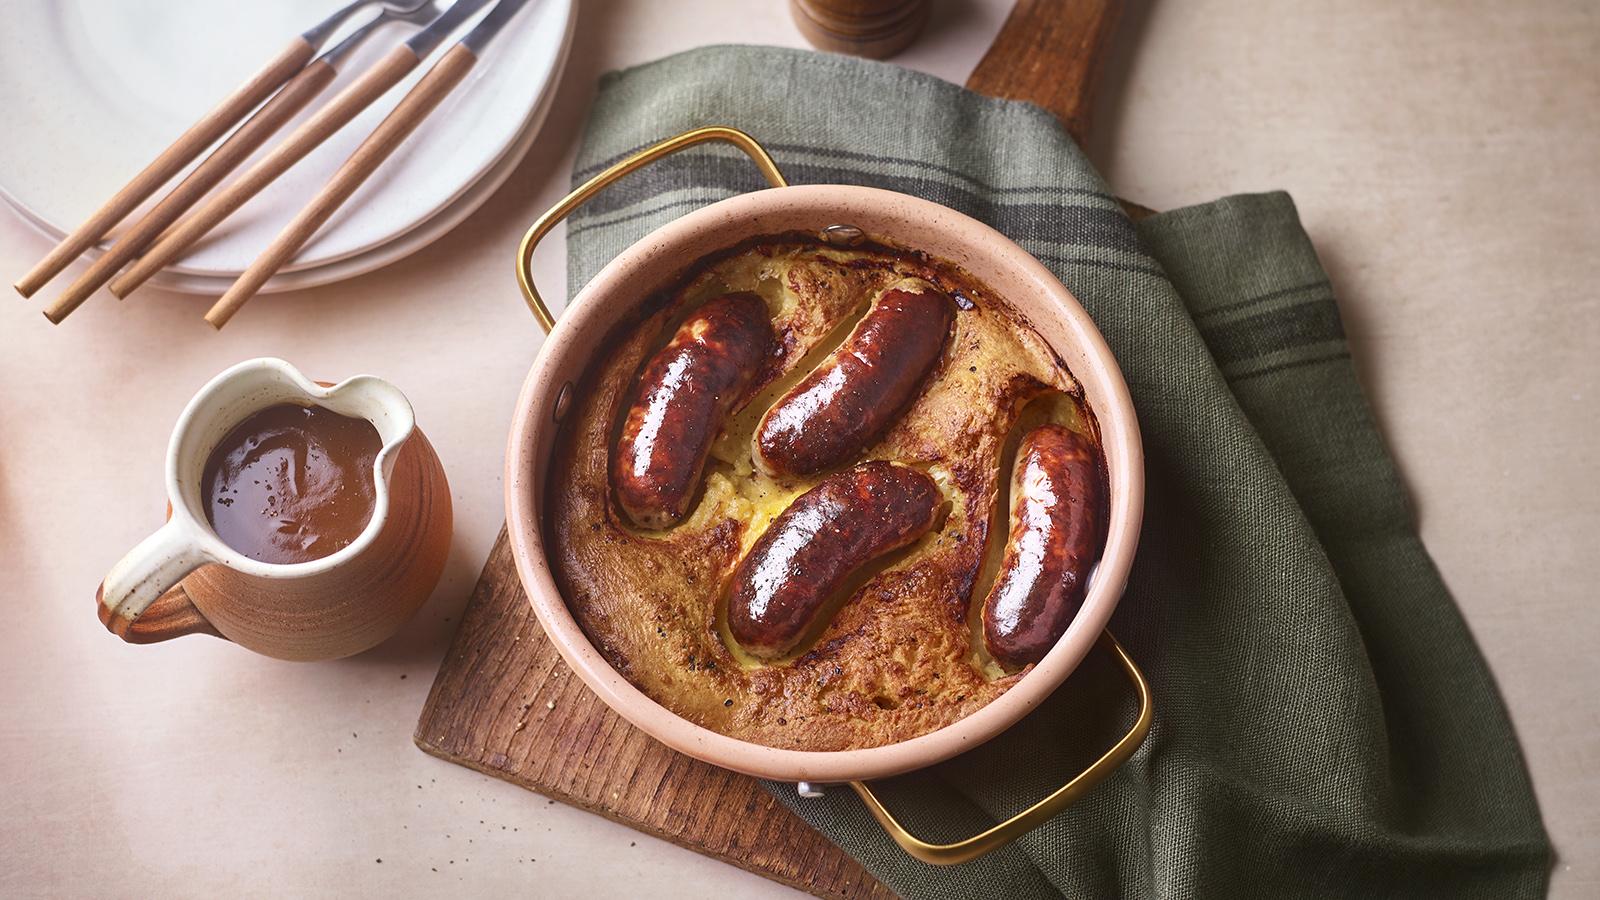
[873, 28]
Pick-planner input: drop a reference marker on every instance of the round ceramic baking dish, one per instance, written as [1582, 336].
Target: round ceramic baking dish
[841, 212]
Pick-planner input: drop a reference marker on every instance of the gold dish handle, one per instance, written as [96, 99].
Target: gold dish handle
[1037, 814]
[593, 186]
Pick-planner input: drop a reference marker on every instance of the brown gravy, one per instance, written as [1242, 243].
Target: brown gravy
[292, 483]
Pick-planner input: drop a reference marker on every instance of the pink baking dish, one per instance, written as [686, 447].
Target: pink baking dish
[659, 258]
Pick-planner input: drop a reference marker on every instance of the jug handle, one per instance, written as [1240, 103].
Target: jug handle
[173, 614]
[140, 599]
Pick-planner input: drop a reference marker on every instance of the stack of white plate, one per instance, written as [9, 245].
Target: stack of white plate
[92, 90]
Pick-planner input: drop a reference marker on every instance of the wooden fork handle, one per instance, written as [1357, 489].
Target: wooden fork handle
[346, 105]
[200, 135]
[384, 140]
[283, 106]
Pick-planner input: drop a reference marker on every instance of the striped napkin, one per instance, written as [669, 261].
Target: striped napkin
[1325, 726]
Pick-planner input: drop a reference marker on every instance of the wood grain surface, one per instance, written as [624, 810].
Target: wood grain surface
[876, 29]
[504, 702]
[1050, 52]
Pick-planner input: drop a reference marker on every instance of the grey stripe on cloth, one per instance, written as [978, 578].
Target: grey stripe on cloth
[1324, 724]
[898, 163]
[1320, 285]
[1273, 331]
[1044, 218]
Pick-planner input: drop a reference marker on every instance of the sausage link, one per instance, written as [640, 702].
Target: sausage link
[813, 548]
[843, 406]
[1057, 527]
[684, 393]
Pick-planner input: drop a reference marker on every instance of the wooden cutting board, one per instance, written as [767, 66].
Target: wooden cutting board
[504, 702]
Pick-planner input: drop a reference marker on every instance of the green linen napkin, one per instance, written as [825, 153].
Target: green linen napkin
[1324, 726]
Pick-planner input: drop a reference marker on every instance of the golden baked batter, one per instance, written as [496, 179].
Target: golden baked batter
[898, 659]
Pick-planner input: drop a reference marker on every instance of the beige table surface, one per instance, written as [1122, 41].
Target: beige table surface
[1445, 156]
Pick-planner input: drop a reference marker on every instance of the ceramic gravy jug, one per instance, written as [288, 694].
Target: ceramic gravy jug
[324, 608]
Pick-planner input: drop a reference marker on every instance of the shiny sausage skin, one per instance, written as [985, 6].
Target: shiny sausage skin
[1057, 528]
[840, 409]
[813, 548]
[684, 393]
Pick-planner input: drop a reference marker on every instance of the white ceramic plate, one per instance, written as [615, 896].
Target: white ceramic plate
[96, 88]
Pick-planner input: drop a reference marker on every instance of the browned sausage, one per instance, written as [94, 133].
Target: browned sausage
[684, 393]
[813, 548]
[840, 409]
[1057, 528]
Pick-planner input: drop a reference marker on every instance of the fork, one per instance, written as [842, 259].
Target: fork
[266, 121]
[199, 136]
[372, 84]
[443, 78]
